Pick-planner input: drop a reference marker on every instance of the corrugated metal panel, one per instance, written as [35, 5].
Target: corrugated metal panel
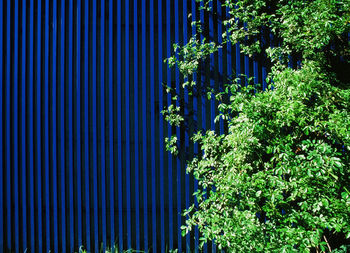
[82, 158]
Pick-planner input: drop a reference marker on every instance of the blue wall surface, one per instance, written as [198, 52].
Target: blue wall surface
[83, 159]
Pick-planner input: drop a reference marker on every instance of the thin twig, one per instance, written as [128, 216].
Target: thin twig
[329, 247]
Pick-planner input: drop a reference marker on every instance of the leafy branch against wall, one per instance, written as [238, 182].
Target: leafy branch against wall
[279, 179]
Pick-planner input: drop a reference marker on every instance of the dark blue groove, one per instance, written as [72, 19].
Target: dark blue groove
[31, 126]
[94, 126]
[8, 122]
[127, 125]
[70, 127]
[78, 123]
[153, 162]
[38, 130]
[178, 162]
[111, 126]
[144, 129]
[86, 126]
[54, 127]
[170, 158]
[15, 129]
[102, 126]
[119, 115]
[161, 126]
[136, 130]
[46, 131]
[1, 135]
[62, 132]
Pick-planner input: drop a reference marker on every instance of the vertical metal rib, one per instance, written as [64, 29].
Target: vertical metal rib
[8, 126]
[220, 56]
[31, 126]
[46, 131]
[70, 127]
[119, 136]
[38, 129]
[78, 123]
[178, 162]
[127, 124]
[86, 127]
[102, 127]
[144, 129]
[186, 106]
[111, 125]
[94, 126]
[195, 118]
[202, 94]
[54, 126]
[1, 135]
[211, 79]
[62, 131]
[161, 126]
[170, 161]
[153, 159]
[15, 132]
[136, 128]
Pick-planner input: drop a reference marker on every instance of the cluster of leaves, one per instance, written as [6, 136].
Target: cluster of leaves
[279, 179]
[280, 176]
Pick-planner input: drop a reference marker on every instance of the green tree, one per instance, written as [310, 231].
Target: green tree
[279, 179]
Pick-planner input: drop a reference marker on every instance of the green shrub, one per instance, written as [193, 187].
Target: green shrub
[279, 179]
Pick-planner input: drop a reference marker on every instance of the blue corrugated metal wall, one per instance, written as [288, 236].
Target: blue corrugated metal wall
[82, 155]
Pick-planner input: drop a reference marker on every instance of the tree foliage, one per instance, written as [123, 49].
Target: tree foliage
[279, 179]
